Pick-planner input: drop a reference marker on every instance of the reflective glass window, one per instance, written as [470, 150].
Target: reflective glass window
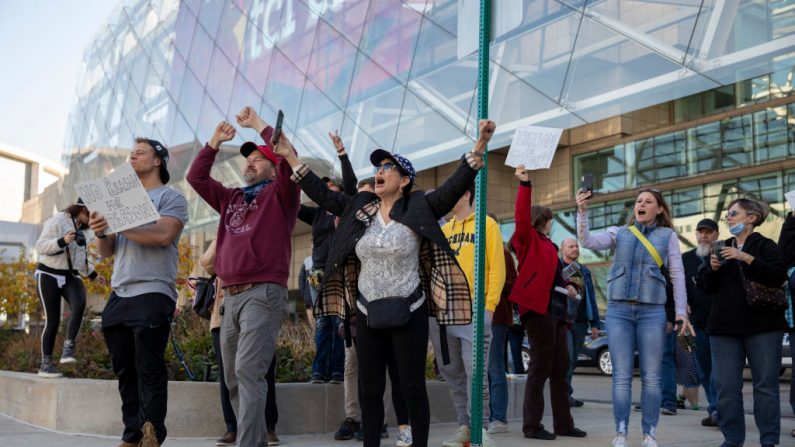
[737, 142]
[332, 64]
[770, 134]
[390, 35]
[704, 148]
[210, 16]
[220, 80]
[185, 25]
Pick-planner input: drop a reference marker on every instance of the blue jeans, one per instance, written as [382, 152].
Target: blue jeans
[764, 357]
[704, 360]
[498, 384]
[576, 334]
[641, 327]
[330, 350]
[515, 340]
[669, 373]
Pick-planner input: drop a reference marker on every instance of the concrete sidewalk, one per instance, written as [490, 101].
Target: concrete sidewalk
[683, 429]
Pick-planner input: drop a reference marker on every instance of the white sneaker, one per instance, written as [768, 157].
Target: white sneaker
[404, 438]
[497, 427]
[648, 441]
[458, 439]
[485, 441]
[620, 440]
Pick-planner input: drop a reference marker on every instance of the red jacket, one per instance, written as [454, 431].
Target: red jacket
[254, 239]
[538, 259]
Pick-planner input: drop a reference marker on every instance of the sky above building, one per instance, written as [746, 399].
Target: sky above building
[42, 43]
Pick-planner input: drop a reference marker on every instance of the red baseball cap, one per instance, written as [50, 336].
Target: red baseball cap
[249, 146]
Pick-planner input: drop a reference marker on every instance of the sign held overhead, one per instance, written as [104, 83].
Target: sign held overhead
[533, 147]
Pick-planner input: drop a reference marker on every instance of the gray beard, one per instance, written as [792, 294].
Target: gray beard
[704, 250]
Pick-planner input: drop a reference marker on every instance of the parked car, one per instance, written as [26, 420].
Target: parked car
[594, 353]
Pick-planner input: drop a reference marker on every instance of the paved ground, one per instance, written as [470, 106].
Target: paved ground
[595, 417]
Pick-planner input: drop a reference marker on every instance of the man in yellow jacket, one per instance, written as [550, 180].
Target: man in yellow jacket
[460, 233]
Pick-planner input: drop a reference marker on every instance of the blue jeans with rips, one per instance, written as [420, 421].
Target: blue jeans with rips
[630, 327]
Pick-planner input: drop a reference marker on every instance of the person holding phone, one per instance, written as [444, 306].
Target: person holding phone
[63, 257]
[740, 331]
[253, 262]
[637, 290]
[391, 264]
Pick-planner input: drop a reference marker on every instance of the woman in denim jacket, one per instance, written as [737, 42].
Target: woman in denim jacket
[636, 297]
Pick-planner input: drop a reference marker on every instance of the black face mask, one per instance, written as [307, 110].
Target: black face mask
[80, 236]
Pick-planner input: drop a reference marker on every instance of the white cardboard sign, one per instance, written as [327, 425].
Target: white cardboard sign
[121, 198]
[791, 199]
[533, 147]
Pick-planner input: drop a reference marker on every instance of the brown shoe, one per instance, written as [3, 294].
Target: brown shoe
[272, 438]
[150, 437]
[230, 438]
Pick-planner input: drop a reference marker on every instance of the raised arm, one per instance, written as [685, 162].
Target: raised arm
[602, 241]
[349, 179]
[211, 190]
[443, 199]
[331, 201]
[524, 232]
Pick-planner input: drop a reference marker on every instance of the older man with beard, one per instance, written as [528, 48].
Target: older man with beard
[696, 262]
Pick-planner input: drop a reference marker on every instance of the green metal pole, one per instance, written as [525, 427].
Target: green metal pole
[476, 412]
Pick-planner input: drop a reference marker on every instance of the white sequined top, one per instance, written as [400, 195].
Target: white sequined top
[390, 257]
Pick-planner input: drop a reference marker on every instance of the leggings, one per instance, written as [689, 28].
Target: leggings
[74, 292]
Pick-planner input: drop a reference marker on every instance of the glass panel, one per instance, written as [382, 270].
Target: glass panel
[668, 23]
[390, 35]
[737, 143]
[422, 131]
[243, 94]
[347, 17]
[704, 148]
[210, 16]
[687, 202]
[607, 166]
[186, 24]
[297, 33]
[540, 56]
[283, 88]
[221, 80]
[609, 75]
[791, 127]
[443, 13]
[200, 54]
[176, 77]
[781, 83]
[231, 37]
[770, 134]
[255, 60]
[332, 64]
[190, 98]
[669, 156]
[768, 188]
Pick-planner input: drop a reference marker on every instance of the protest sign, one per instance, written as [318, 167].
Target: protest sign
[121, 198]
[791, 199]
[533, 147]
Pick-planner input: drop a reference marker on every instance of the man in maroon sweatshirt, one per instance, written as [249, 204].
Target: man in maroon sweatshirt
[253, 262]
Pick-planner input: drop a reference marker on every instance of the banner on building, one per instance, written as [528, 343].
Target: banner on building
[533, 147]
[121, 198]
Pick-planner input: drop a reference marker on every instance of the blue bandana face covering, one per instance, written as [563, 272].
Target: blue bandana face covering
[250, 192]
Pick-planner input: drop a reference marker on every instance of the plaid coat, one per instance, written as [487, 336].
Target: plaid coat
[444, 283]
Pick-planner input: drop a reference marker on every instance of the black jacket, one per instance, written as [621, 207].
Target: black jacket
[444, 283]
[700, 301]
[730, 314]
[322, 222]
[786, 241]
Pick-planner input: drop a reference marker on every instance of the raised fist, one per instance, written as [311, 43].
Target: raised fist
[487, 128]
[247, 117]
[223, 133]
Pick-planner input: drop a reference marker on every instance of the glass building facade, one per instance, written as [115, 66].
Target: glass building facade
[401, 75]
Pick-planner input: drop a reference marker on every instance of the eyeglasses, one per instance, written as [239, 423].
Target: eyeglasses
[386, 167]
[732, 213]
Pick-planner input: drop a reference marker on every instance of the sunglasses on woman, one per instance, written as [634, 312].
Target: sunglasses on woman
[386, 167]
